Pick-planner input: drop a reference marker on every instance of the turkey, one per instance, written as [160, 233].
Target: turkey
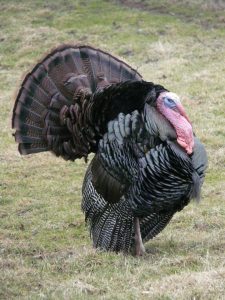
[147, 163]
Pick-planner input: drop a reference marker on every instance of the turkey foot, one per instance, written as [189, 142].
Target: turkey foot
[139, 247]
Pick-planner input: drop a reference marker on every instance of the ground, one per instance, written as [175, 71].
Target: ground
[45, 250]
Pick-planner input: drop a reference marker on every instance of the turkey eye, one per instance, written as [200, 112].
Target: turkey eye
[169, 102]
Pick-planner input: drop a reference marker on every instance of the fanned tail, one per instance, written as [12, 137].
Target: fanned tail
[53, 110]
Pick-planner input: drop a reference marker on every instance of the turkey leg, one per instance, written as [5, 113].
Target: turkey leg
[139, 247]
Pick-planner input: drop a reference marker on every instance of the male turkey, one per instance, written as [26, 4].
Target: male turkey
[147, 164]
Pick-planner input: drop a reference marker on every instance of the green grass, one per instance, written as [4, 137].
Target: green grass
[45, 251]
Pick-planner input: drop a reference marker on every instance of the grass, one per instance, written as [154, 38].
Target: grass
[45, 251]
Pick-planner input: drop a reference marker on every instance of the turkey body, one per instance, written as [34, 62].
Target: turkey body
[79, 100]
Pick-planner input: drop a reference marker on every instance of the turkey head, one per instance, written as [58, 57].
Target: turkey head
[170, 106]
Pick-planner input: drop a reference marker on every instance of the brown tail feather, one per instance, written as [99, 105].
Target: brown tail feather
[52, 109]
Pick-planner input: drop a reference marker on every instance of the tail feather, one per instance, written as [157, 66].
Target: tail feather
[54, 97]
[105, 65]
[70, 61]
[89, 68]
[25, 115]
[30, 148]
[37, 104]
[77, 60]
[20, 138]
[32, 89]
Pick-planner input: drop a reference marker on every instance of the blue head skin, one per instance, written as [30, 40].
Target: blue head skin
[169, 102]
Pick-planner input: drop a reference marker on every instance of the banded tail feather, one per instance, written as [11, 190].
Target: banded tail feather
[53, 109]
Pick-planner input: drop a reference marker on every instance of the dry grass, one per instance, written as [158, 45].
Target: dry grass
[45, 251]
